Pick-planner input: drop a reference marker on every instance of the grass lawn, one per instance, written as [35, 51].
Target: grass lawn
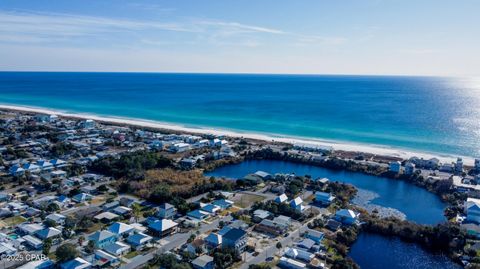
[131, 254]
[15, 220]
[98, 200]
[95, 227]
[245, 200]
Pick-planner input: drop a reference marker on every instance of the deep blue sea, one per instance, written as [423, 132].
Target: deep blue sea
[416, 203]
[428, 114]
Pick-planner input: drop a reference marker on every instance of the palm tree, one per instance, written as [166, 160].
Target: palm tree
[136, 211]
[81, 239]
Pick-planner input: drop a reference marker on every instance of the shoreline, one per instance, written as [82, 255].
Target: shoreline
[336, 145]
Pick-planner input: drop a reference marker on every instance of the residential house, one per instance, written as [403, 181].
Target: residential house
[213, 240]
[203, 262]
[30, 228]
[16, 170]
[264, 175]
[306, 243]
[285, 262]
[77, 263]
[44, 201]
[139, 240]
[223, 203]
[103, 259]
[395, 167]
[33, 242]
[409, 168]
[210, 208]
[195, 247]
[282, 198]
[347, 216]
[121, 229]
[166, 211]
[117, 248]
[472, 210]
[299, 254]
[59, 219]
[38, 264]
[122, 210]
[48, 233]
[297, 204]
[103, 238]
[198, 214]
[45, 165]
[106, 217]
[235, 238]
[324, 198]
[315, 235]
[82, 197]
[31, 167]
[163, 227]
[260, 214]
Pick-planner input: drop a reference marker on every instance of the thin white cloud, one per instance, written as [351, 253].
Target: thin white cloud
[36, 27]
[235, 27]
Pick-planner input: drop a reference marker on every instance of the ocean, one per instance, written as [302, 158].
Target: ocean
[427, 114]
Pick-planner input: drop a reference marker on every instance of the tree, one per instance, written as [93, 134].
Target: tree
[136, 211]
[90, 248]
[52, 207]
[81, 239]
[47, 244]
[66, 252]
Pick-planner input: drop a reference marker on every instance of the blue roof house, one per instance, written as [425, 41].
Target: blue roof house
[103, 238]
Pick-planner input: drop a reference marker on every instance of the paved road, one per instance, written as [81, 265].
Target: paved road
[173, 241]
[271, 250]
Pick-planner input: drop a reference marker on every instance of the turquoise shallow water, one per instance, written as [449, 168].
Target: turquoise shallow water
[418, 113]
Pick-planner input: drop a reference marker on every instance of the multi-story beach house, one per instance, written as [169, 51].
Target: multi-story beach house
[235, 238]
[395, 167]
[166, 211]
[472, 210]
[324, 198]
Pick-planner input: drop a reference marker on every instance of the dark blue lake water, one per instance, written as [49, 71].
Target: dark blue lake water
[416, 203]
[373, 251]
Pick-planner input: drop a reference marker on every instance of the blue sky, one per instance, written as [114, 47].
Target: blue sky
[249, 36]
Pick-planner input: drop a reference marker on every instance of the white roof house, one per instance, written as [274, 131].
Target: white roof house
[281, 198]
[214, 239]
[30, 228]
[48, 233]
[163, 225]
[117, 248]
[346, 216]
[120, 228]
[299, 254]
[77, 263]
[297, 203]
[57, 218]
[472, 209]
[139, 239]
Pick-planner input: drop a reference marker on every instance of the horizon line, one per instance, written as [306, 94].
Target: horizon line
[241, 73]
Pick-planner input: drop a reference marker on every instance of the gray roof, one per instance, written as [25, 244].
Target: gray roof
[202, 261]
[101, 235]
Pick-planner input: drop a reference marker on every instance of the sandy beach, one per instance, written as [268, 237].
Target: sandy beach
[344, 146]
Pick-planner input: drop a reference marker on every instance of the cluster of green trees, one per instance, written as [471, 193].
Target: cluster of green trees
[446, 237]
[168, 261]
[61, 148]
[225, 257]
[131, 165]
